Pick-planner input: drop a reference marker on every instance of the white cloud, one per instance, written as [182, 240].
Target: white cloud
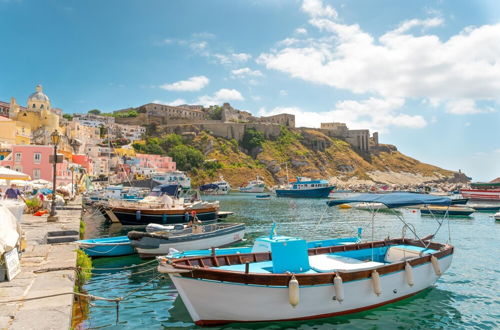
[396, 65]
[246, 72]
[192, 84]
[199, 45]
[301, 31]
[232, 58]
[172, 103]
[315, 8]
[221, 96]
[283, 92]
[464, 107]
[375, 114]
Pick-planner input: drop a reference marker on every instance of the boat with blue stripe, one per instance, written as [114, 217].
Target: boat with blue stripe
[106, 247]
[304, 187]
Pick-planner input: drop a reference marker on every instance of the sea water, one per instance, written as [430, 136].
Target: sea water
[466, 297]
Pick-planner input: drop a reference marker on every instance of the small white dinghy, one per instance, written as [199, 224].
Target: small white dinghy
[497, 216]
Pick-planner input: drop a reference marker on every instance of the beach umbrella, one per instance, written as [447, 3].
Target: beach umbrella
[41, 182]
[19, 183]
[8, 174]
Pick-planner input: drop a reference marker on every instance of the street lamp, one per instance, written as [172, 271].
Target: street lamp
[72, 169]
[55, 137]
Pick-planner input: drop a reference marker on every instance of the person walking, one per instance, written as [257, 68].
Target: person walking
[13, 193]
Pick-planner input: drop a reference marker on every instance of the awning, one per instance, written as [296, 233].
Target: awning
[394, 200]
[8, 174]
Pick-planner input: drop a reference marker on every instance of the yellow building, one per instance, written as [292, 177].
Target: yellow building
[14, 132]
[38, 112]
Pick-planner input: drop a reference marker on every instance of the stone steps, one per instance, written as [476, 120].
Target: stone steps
[62, 236]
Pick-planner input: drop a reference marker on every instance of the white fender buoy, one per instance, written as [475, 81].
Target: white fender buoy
[376, 283]
[293, 291]
[435, 265]
[409, 274]
[339, 288]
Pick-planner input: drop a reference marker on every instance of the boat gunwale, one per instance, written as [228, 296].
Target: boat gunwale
[163, 211]
[229, 226]
[199, 267]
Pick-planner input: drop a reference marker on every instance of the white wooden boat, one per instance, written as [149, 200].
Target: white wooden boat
[292, 282]
[497, 216]
[196, 237]
[254, 186]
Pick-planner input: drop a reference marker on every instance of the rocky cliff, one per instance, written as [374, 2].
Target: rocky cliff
[308, 152]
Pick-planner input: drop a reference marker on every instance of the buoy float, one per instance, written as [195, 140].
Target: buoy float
[345, 206]
[376, 283]
[409, 274]
[293, 291]
[435, 265]
[339, 289]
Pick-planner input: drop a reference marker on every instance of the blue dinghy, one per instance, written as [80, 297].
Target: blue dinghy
[106, 247]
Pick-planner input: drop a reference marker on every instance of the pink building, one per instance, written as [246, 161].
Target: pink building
[85, 162]
[34, 161]
[159, 163]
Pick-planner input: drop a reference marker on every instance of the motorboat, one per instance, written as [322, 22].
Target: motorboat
[254, 186]
[221, 187]
[263, 197]
[106, 247]
[485, 207]
[163, 206]
[291, 281]
[304, 187]
[195, 237]
[497, 216]
[450, 210]
[370, 206]
[170, 178]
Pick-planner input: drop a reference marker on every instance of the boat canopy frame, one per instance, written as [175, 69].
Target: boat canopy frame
[401, 199]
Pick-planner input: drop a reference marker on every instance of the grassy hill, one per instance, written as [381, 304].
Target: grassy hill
[308, 153]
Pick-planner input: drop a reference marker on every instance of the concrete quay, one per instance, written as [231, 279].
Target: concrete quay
[47, 313]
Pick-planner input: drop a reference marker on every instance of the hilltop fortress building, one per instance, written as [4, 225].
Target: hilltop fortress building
[228, 122]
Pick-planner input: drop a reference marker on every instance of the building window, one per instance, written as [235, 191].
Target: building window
[18, 168]
[36, 173]
[37, 157]
[18, 156]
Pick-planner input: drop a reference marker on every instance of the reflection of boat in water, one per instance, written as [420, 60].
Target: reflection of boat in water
[254, 186]
[443, 210]
[304, 187]
[220, 187]
[290, 281]
[194, 237]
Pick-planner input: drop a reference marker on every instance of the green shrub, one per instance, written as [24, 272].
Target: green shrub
[252, 139]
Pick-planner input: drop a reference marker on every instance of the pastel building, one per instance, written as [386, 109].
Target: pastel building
[157, 162]
[34, 161]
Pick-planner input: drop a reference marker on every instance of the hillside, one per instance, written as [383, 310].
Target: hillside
[308, 152]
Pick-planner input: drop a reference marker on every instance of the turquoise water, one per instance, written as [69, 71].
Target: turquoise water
[467, 296]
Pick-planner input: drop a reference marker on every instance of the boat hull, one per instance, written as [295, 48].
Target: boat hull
[463, 213]
[107, 247]
[322, 192]
[213, 302]
[481, 194]
[148, 247]
[165, 217]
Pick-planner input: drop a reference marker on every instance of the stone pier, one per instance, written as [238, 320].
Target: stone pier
[47, 313]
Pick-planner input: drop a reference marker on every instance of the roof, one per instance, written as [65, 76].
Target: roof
[394, 200]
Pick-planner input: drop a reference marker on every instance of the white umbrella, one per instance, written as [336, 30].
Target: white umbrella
[19, 183]
[41, 182]
[8, 174]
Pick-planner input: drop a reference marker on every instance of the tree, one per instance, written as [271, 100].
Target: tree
[95, 112]
[68, 117]
[252, 139]
[170, 141]
[216, 113]
[186, 157]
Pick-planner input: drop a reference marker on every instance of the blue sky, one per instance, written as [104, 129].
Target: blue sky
[425, 74]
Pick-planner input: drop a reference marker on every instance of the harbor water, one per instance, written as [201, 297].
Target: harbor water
[466, 296]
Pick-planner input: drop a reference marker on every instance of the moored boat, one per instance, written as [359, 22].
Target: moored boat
[173, 178]
[497, 216]
[451, 210]
[292, 282]
[304, 187]
[220, 187]
[254, 186]
[263, 197]
[487, 191]
[163, 206]
[106, 247]
[485, 207]
[195, 237]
